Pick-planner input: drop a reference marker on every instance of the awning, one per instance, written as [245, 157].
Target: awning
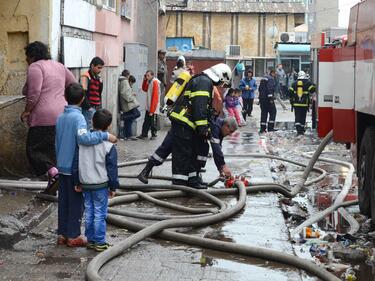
[297, 49]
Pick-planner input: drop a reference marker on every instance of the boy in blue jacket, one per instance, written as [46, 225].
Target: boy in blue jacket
[248, 86]
[98, 177]
[71, 131]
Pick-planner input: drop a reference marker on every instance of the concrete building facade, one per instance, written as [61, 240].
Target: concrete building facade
[254, 26]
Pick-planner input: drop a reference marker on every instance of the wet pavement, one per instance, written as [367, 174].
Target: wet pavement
[261, 223]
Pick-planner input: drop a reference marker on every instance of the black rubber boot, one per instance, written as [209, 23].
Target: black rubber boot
[196, 182]
[145, 173]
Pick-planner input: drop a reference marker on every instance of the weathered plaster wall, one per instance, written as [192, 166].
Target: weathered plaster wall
[220, 31]
[217, 30]
[171, 24]
[193, 26]
[21, 22]
[248, 34]
[109, 43]
[13, 161]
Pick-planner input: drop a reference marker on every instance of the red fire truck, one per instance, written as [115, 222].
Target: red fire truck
[346, 86]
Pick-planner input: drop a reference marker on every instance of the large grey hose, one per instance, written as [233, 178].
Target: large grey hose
[98, 261]
[337, 203]
[144, 232]
[201, 218]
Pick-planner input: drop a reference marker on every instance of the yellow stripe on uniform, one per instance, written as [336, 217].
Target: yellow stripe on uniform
[300, 104]
[201, 122]
[199, 94]
[183, 119]
[187, 93]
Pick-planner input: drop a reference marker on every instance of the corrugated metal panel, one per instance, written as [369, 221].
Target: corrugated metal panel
[203, 54]
[238, 6]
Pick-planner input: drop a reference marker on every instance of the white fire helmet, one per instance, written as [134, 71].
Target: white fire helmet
[219, 73]
[181, 58]
[301, 75]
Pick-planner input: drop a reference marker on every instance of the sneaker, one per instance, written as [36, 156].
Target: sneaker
[61, 240]
[133, 138]
[102, 247]
[77, 242]
[141, 137]
[90, 245]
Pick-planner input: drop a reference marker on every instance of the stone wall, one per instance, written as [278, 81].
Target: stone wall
[21, 22]
[13, 161]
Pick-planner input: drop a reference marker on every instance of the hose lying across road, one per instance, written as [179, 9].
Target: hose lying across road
[203, 216]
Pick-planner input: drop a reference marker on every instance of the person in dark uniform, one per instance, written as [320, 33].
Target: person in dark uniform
[267, 102]
[190, 118]
[220, 128]
[300, 100]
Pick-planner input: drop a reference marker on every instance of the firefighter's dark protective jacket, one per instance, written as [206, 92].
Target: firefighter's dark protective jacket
[193, 108]
[300, 93]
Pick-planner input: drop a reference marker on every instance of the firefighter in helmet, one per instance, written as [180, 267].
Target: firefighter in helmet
[190, 119]
[300, 100]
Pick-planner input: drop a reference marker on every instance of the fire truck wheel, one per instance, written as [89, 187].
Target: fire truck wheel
[366, 191]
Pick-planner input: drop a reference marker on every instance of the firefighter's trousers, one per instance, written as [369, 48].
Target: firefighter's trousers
[163, 151]
[201, 149]
[182, 153]
[300, 118]
[267, 107]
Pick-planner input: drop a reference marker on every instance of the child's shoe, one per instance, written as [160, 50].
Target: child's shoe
[102, 247]
[77, 242]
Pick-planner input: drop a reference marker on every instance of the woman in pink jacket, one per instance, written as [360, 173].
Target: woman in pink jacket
[45, 101]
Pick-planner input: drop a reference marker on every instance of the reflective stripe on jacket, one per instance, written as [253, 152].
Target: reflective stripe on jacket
[193, 108]
[300, 93]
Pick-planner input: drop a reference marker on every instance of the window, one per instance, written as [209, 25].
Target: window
[126, 9]
[109, 5]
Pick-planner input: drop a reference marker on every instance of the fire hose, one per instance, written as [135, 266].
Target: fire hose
[198, 217]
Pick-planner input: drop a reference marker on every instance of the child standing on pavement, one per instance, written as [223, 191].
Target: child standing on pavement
[71, 130]
[98, 178]
[231, 103]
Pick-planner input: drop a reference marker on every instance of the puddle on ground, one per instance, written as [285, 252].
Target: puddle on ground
[243, 268]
